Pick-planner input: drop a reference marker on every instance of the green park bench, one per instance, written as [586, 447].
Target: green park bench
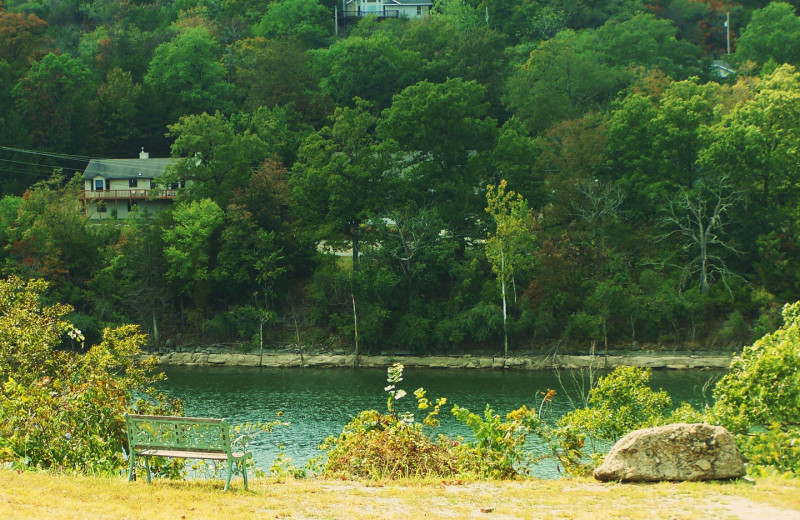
[182, 437]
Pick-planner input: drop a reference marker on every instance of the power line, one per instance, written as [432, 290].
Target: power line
[63, 156]
[39, 165]
[144, 166]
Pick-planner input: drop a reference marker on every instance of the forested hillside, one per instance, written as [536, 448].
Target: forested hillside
[501, 174]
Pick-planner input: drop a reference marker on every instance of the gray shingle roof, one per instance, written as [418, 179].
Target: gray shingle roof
[404, 2]
[126, 168]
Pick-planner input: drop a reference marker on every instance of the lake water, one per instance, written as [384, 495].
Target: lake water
[319, 402]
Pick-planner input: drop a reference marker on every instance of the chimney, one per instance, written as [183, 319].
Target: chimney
[143, 154]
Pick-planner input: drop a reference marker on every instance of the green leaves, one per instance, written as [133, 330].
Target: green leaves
[498, 450]
[378, 446]
[306, 21]
[563, 78]
[188, 247]
[621, 402]
[188, 73]
[341, 176]
[763, 385]
[52, 97]
[773, 35]
[60, 409]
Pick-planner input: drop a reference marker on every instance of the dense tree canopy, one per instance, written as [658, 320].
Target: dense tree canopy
[658, 173]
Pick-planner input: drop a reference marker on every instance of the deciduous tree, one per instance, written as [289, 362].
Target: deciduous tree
[52, 97]
[772, 34]
[339, 181]
[509, 245]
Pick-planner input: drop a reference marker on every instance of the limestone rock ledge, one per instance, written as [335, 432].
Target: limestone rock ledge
[533, 362]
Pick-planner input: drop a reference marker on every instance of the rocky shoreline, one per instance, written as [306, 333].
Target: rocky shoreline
[667, 360]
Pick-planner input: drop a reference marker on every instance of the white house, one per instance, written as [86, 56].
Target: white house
[387, 8]
[113, 187]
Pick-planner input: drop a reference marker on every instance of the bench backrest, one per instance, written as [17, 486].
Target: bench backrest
[178, 433]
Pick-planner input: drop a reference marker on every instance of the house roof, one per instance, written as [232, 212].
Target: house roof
[126, 168]
[429, 3]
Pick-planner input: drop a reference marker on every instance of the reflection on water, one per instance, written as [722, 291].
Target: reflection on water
[319, 402]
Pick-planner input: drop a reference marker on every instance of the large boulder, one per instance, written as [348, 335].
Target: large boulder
[674, 452]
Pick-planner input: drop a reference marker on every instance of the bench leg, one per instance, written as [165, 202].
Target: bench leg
[244, 472]
[132, 461]
[230, 471]
[147, 466]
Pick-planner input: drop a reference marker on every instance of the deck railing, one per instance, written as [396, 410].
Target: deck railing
[131, 194]
[360, 13]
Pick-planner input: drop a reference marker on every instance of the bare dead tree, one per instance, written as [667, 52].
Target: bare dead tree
[699, 215]
[600, 200]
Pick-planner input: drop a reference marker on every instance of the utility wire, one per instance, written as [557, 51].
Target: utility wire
[63, 156]
[66, 157]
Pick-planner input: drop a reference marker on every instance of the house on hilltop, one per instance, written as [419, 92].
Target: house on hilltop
[114, 187]
[387, 8]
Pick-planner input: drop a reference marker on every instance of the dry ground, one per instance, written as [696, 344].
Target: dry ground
[44, 496]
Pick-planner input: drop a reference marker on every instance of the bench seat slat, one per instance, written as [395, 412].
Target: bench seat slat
[188, 454]
[170, 419]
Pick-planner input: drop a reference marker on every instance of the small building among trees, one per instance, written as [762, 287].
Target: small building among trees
[114, 187]
[387, 8]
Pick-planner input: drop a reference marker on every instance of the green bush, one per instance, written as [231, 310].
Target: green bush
[774, 450]
[391, 445]
[386, 446]
[60, 409]
[621, 402]
[380, 446]
[759, 398]
[498, 450]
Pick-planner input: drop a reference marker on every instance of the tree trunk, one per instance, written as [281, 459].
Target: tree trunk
[297, 331]
[354, 236]
[156, 339]
[503, 292]
[261, 341]
[702, 242]
[355, 328]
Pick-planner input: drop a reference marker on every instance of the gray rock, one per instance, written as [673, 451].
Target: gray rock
[675, 452]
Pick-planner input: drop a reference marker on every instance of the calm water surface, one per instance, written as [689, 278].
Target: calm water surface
[319, 402]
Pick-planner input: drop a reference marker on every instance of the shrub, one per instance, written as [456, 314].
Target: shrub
[498, 450]
[758, 398]
[391, 445]
[387, 446]
[620, 403]
[60, 409]
[379, 446]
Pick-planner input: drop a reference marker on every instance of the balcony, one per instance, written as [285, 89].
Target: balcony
[130, 194]
[362, 13]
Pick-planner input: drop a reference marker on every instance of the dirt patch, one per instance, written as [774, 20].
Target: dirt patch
[745, 509]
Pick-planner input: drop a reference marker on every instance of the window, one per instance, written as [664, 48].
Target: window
[102, 207]
[419, 10]
[98, 184]
[131, 206]
[152, 184]
[132, 183]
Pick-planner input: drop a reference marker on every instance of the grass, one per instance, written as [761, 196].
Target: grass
[42, 495]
